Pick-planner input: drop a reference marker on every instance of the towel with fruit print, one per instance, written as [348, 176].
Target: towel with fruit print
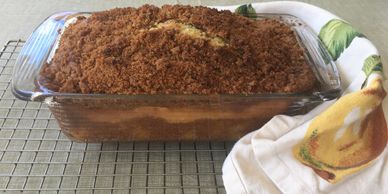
[336, 141]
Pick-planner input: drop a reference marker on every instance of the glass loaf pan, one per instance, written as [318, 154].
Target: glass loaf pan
[101, 117]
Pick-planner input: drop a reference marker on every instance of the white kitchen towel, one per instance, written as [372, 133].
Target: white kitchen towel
[338, 147]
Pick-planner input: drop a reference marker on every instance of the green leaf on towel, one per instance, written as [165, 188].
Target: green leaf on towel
[337, 35]
[372, 64]
[246, 10]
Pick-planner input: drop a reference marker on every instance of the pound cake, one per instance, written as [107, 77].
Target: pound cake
[177, 50]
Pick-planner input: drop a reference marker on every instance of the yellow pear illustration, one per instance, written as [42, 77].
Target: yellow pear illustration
[347, 136]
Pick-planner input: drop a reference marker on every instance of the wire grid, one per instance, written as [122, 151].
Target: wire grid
[35, 156]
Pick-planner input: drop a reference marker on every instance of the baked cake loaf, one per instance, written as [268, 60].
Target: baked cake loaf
[177, 50]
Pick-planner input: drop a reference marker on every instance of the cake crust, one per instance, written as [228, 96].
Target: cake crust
[177, 50]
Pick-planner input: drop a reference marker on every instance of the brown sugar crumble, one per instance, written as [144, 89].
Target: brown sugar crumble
[177, 50]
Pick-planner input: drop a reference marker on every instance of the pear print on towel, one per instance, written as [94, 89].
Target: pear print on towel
[352, 132]
[347, 136]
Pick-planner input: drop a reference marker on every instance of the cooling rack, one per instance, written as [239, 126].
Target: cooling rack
[36, 157]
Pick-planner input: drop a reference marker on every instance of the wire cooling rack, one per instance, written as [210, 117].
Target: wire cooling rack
[35, 156]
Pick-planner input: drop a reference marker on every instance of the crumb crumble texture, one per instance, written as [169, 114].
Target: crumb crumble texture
[177, 50]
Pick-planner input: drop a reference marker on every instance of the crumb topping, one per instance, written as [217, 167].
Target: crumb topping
[177, 49]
